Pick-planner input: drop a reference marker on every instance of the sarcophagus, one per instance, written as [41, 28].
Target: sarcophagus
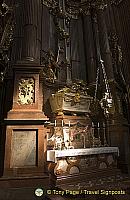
[70, 102]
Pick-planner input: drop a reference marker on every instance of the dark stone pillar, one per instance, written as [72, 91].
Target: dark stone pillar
[75, 61]
[82, 68]
[18, 32]
[29, 43]
[31, 26]
[89, 49]
[27, 36]
[104, 44]
[119, 134]
[77, 50]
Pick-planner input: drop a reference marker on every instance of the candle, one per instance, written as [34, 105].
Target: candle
[63, 3]
[55, 122]
[92, 124]
[62, 123]
[98, 125]
[69, 123]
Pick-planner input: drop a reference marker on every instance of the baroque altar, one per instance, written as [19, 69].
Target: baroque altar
[76, 136]
[83, 168]
[78, 153]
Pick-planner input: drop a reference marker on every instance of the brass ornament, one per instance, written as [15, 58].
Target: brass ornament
[107, 104]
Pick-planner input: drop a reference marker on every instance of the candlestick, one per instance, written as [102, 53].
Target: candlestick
[55, 122]
[104, 130]
[84, 141]
[59, 3]
[63, 5]
[99, 134]
[93, 134]
[69, 123]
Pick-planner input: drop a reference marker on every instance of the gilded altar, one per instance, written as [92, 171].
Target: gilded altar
[77, 146]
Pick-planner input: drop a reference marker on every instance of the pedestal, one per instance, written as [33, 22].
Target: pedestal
[25, 144]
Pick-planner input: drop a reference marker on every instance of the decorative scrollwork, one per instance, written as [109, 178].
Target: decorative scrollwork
[116, 2]
[74, 8]
[116, 50]
[50, 66]
[8, 27]
[6, 38]
[78, 86]
[62, 34]
[26, 91]
[55, 9]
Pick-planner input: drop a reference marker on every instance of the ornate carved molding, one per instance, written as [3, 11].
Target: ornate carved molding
[117, 55]
[74, 8]
[6, 37]
[50, 66]
[116, 2]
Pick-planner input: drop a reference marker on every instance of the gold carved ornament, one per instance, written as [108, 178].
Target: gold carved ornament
[26, 91]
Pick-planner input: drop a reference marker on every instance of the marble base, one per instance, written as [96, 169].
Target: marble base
[72, 167]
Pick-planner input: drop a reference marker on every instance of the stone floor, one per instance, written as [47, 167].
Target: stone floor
[28, 193]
